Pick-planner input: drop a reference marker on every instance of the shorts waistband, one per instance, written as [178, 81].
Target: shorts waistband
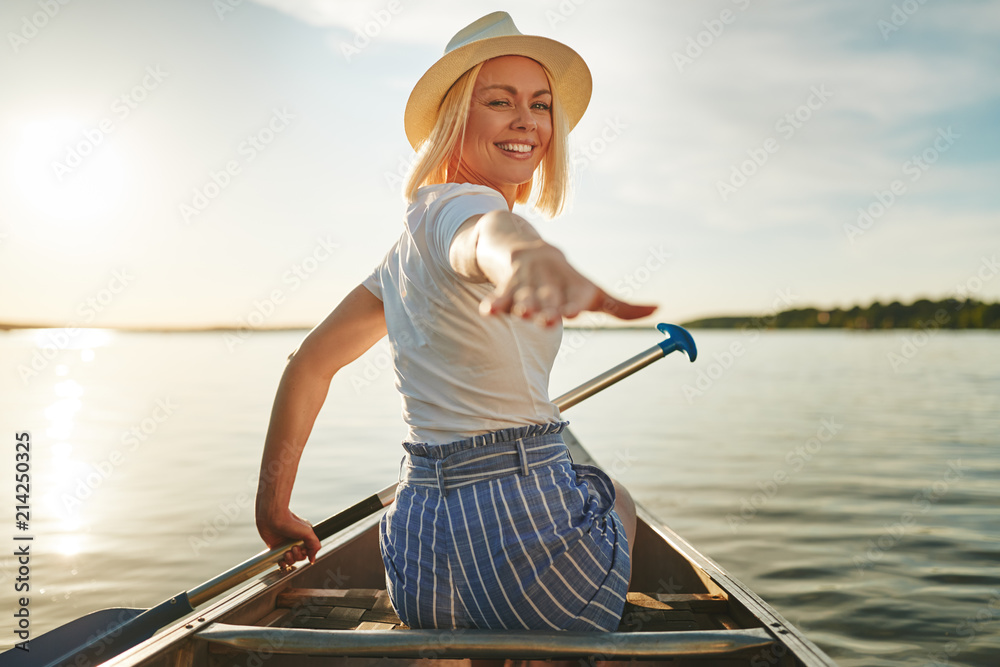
[482, 457]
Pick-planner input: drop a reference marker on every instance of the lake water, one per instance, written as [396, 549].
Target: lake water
[852, 479]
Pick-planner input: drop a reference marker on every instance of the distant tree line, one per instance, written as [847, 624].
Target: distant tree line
[921, 314]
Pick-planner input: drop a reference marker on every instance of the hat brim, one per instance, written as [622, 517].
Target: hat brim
[571, 78]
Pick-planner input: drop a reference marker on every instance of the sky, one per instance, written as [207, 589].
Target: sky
[237, 162]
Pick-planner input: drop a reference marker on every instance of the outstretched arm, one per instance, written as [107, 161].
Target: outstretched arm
[532, 278]
[353, 327]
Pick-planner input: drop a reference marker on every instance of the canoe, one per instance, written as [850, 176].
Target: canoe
[682, 609]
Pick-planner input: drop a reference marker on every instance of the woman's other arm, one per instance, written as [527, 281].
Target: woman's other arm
[532, 278]
[353, 327]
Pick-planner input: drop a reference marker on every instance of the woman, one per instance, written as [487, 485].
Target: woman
[492, 526]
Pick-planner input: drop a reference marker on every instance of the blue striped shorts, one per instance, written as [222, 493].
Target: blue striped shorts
[504, 531]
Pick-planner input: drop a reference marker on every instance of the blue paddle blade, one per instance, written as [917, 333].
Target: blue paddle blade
[53, 645]
[678, 338]
[98, 636]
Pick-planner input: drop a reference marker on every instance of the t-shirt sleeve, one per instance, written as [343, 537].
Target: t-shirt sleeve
[373, 283]
[447, 214]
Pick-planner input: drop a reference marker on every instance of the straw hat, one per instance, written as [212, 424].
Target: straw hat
[492, 36]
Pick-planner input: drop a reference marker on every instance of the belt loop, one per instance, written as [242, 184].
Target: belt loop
[523, 455]
[439, 471]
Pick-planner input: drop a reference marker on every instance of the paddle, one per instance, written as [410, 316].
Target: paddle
[103, 634]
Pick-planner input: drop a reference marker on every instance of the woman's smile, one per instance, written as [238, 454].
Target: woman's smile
[516, 150]
[509, 125]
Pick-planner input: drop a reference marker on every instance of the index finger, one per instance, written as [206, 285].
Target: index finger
[606, 303]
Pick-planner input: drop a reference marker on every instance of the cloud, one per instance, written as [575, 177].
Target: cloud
[755, 80]
[400, 21]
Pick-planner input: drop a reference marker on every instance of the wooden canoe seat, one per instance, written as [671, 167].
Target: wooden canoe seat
[370, 609]
[336, 609]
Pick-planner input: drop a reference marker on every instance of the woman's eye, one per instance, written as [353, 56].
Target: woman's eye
[542, 105]
[499, 103]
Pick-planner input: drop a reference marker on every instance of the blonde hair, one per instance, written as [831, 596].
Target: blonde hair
[435, 153]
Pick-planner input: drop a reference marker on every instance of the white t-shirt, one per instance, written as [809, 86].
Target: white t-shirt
[459, 373]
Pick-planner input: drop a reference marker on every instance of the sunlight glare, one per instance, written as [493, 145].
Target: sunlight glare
[72, 339]
[60, 416]
[69, 545]
[69, 389]
[62, 450]
[89, 188]
[62, 498]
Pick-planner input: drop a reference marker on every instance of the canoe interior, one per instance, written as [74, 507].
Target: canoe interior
[678, 599]
[345, 590]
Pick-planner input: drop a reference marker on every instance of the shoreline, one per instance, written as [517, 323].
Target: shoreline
[949, 314]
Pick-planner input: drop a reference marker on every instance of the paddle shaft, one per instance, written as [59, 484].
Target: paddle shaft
[608, 378]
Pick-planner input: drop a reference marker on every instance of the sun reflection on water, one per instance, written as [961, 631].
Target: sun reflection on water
[60, 416]
[73, 339]
[66, 488]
